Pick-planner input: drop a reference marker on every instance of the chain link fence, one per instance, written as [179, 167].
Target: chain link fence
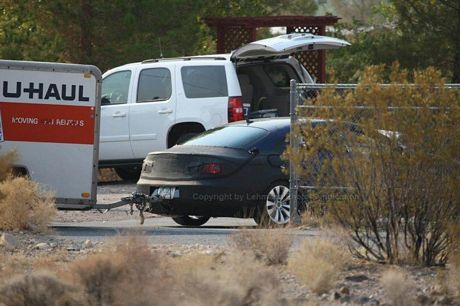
[368, 111]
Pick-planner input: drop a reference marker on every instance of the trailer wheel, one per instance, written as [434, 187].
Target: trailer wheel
[129, 173]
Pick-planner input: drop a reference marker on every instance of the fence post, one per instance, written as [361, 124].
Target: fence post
[293, 140]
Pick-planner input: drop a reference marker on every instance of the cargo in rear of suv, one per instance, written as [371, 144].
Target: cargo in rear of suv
[155, 104]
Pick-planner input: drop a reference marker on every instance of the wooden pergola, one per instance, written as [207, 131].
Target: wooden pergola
[233, 32]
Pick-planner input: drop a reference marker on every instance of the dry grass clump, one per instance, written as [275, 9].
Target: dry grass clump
[40, 289]
[6, 161]
[270, 246]
[130, 273]
[397, 287]
[23, 205]
[12, 265]
[230, 280]
[127, 274]
[454, 261]
[99, 275]
[21, 263]
[318, 264]
[50, 262]
[309, 219]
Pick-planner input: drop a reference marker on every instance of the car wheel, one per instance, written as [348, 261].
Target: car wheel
[275, 209]
[191, 220]
[129, 173]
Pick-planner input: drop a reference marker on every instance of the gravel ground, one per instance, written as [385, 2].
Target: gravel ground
[106, 193]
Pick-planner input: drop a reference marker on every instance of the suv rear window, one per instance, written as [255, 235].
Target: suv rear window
[238, 137]
[204, 81]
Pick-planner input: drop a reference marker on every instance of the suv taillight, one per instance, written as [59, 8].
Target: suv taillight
[235, 109]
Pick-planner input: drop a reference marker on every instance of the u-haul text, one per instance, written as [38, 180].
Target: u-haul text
[42, 91]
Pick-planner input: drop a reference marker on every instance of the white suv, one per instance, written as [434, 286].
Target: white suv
[155, 104]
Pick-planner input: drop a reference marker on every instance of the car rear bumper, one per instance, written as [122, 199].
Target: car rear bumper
[212, 198]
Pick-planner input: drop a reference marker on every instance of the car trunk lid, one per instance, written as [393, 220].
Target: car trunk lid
[194, 162]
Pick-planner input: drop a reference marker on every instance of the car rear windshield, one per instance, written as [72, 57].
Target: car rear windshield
[238, 137]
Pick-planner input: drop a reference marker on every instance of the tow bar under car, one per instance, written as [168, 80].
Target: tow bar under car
[140, 200]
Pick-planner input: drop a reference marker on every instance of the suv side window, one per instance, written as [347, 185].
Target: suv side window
[115, 88]
[154, 85]
[204, 81]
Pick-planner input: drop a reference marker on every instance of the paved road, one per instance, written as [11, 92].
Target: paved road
[161, 230]
[79, 226]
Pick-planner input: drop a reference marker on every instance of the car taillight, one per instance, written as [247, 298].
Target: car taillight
[235, 109]
[212, 168]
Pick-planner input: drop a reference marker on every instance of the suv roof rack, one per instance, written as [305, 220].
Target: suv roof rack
[187, 58]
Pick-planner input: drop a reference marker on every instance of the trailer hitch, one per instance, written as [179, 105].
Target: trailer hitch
[140, 201]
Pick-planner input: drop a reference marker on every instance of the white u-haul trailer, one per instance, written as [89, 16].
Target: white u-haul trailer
[49, 115]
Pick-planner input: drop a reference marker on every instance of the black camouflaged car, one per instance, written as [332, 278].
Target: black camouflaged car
[230, 171]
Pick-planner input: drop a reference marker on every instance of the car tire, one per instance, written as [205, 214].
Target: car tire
[275, 208]
[191, 220]
[129, 173]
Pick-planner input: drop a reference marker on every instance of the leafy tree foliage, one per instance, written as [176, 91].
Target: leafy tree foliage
[435, 25]
[360, 10]
[111, 33]
[417, 34]
[21, 38]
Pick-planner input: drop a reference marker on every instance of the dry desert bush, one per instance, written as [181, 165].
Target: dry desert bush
[399, 289]
[5, 164]
[318, 263]
[20, 263]
[23, 205]
[40, 289]
[130, 273]
[127, 273]
[395, 150]
[234, 279]
[271, 246]
[99, 275]
[454, 261]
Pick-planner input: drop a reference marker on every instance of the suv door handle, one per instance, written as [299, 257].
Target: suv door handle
[165, 111]
[118, 114]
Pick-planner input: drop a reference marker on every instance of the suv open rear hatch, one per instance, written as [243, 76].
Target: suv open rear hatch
[285, 45]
